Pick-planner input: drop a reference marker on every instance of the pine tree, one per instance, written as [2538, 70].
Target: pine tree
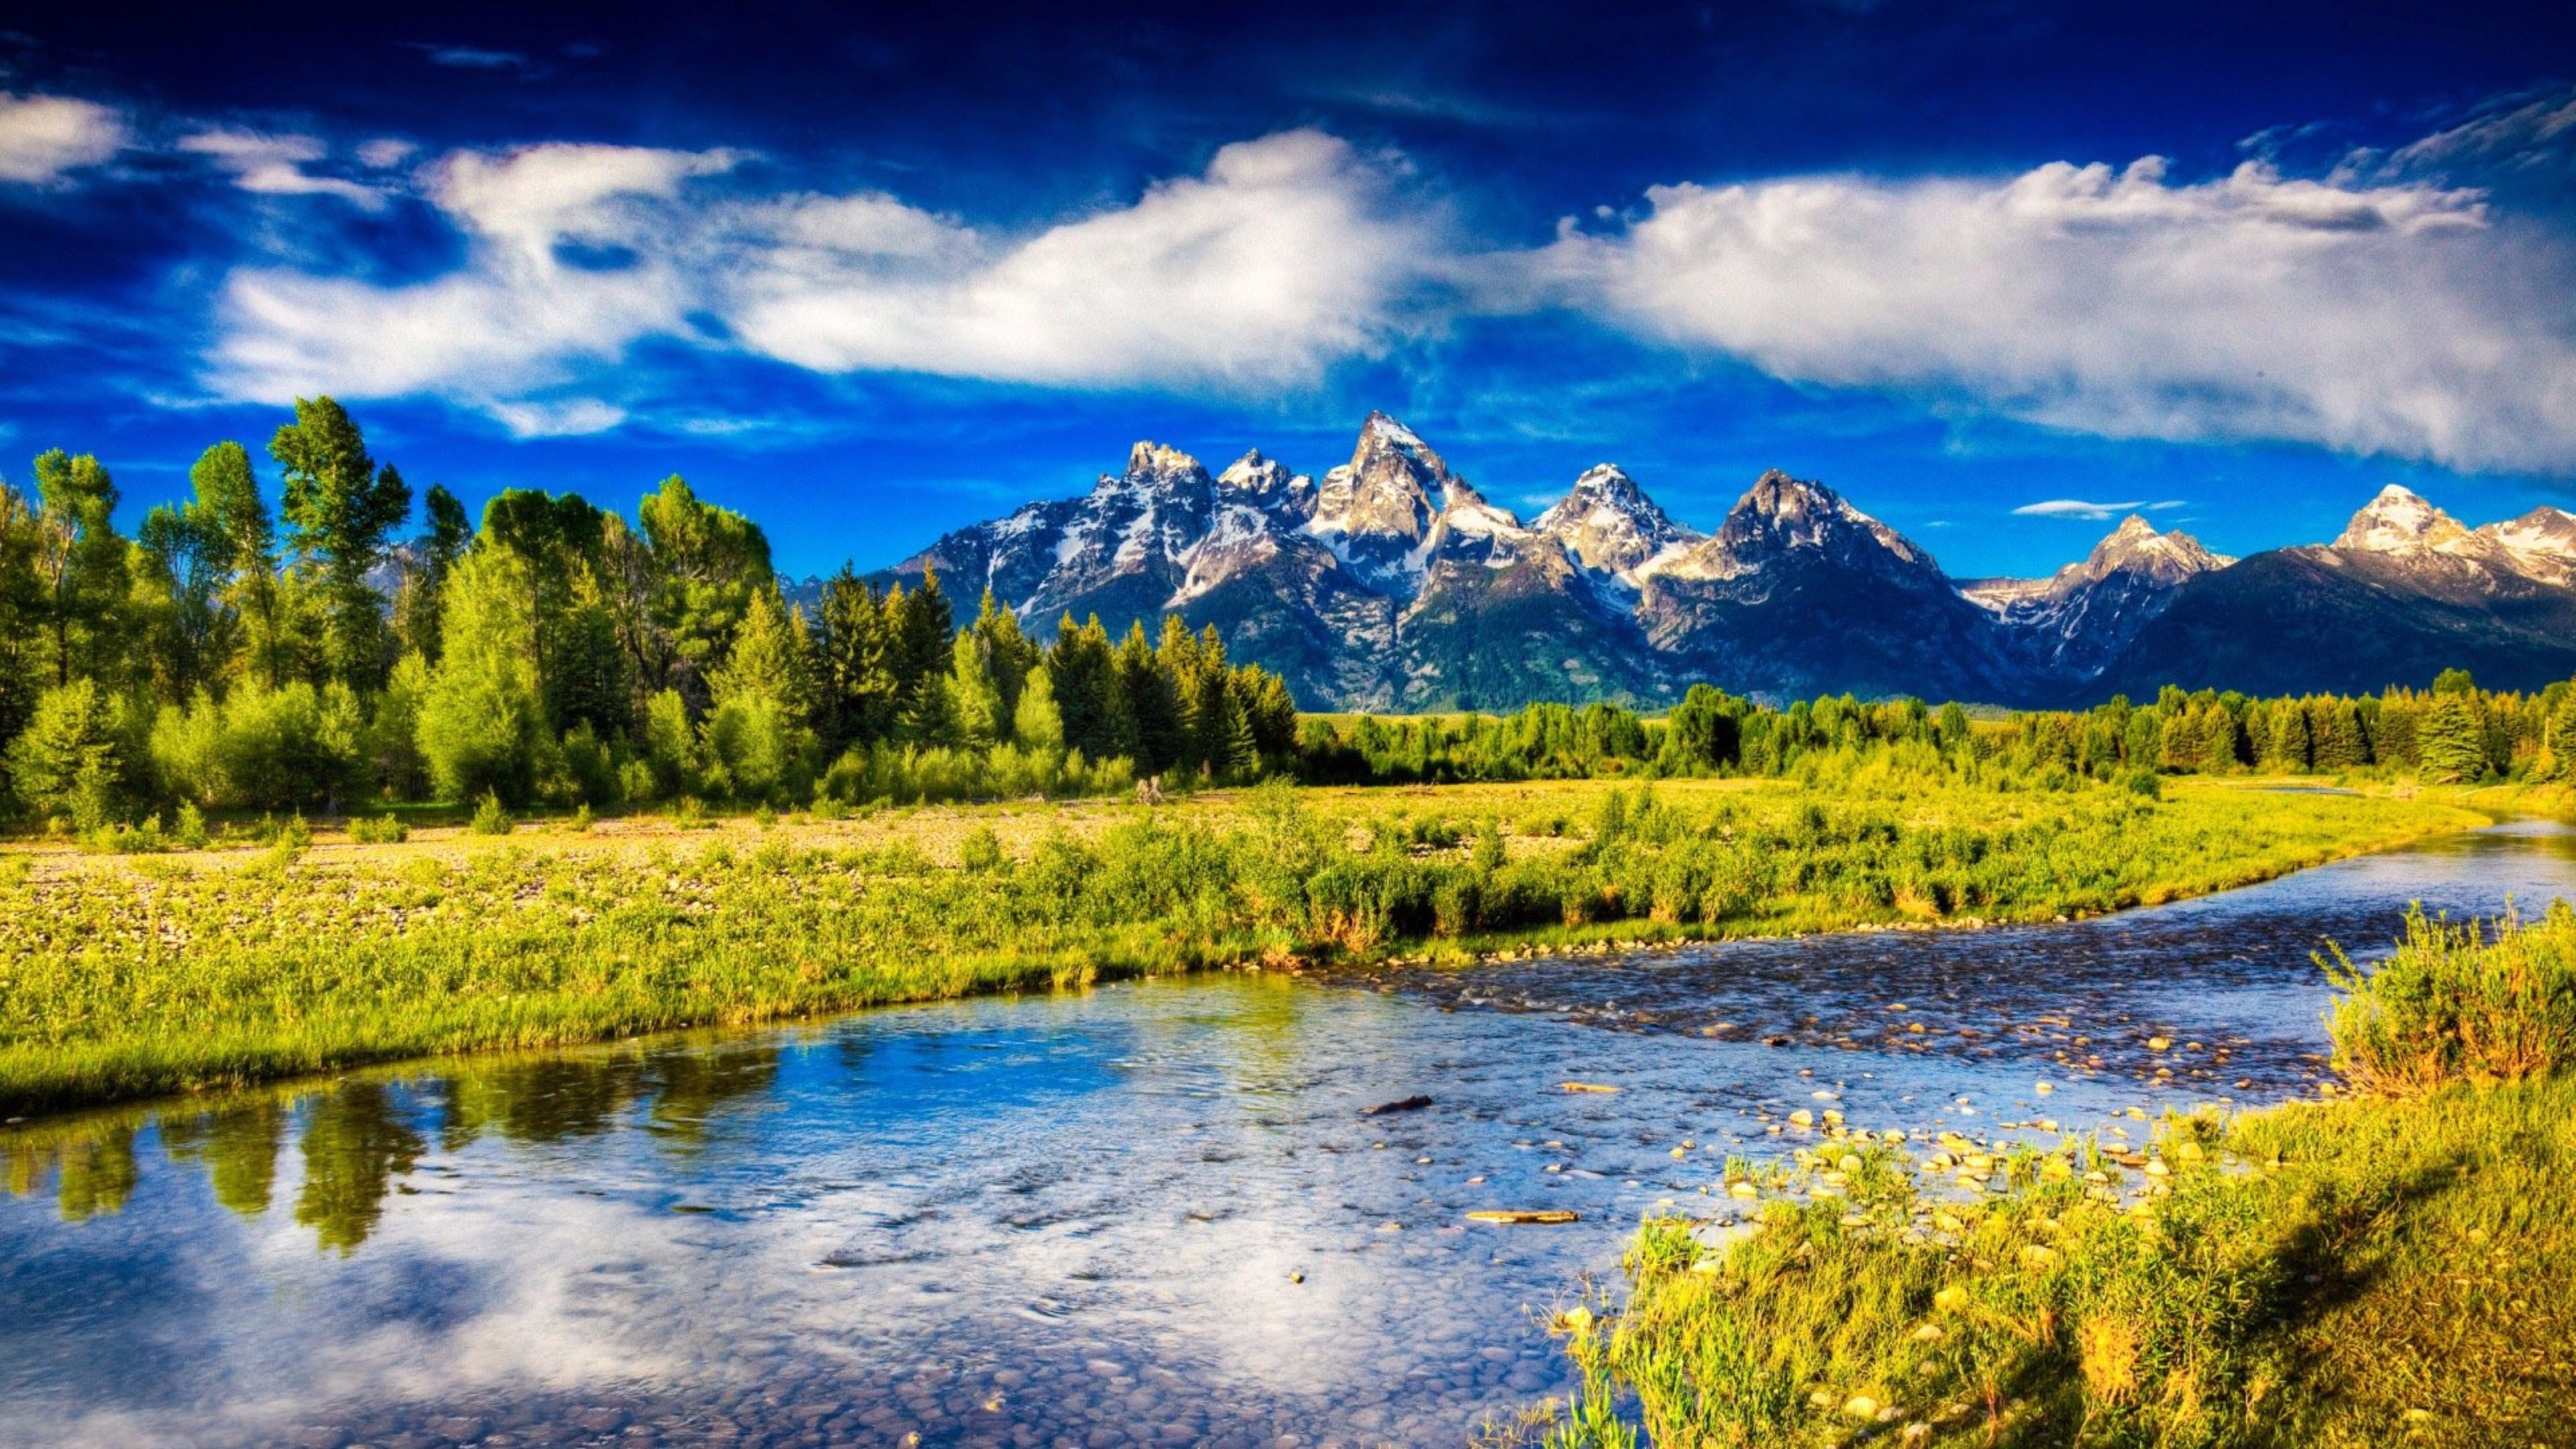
[1036, 723]
[339, 508]
[975, 712]
[2449, 742]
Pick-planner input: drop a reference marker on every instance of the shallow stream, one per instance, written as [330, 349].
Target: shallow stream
[1146, 1214]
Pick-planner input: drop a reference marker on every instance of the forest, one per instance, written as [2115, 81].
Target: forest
[233, 657]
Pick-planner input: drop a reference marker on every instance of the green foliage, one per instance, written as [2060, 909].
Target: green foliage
[706, 564]
[262, 748]
[2456, 1004]
[69, 761]
[340, 508]
[490, 817]
[378, 830]
[482, 723]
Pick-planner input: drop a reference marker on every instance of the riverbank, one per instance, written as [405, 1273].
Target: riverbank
[134, 976]
[2374, 1270]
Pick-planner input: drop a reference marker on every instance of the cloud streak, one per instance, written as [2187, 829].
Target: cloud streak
[2086, 509]
[274, 165]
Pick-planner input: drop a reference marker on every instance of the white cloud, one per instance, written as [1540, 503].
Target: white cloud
[1274, 264]
[2404, 318]
[274, 165]
[385, 151]
[41, 137]
[516, 320]
[569, 419]
[2075, 508]
[2083, 508]
[1286, 256]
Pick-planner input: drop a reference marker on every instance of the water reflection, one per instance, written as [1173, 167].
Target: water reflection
[1149, 1214]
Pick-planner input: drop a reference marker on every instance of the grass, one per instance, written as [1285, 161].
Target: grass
[2378, 1270]
[125, 977]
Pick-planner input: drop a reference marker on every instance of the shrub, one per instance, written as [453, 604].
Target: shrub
[490, 818]
[2456, 1003]
[982, 851]
[378, 830]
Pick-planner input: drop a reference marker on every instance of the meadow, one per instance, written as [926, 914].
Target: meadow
[2380, 1269]
[124, 976]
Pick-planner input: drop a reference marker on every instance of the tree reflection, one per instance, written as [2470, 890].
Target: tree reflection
[355, 1144]
[98, 1172]
[238, 1149]
[361, 1134]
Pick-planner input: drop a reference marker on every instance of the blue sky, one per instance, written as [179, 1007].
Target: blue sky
[871, 276]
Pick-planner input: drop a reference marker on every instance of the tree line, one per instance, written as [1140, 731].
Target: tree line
[2453, 731]
[231, 655]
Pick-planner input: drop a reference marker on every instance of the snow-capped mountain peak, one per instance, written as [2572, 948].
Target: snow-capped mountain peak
[1392, 583]
[2541, 544]
[2137, 547]
[2399, 521]
[1608, 524]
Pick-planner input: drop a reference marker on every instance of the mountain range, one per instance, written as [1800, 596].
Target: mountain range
[1392, 584]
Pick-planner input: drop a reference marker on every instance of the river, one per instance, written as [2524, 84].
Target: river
[1144, 1214]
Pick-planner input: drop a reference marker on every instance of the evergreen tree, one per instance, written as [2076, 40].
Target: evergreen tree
[975, 713]
[1009, 653]
[923, 645]
[1152, 703]
[853, 663]
[2449, 743]
[339, 508]
[1036, 723]
[70, 759]
[416, 606]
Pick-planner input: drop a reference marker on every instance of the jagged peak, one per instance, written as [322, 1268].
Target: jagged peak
[1253, 469]
[2136, 546]
[2396, 520]
[1148, 457]
[1378, 426]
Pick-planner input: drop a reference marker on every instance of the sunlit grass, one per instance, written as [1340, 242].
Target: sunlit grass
[129, 976]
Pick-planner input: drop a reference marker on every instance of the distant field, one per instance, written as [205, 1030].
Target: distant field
[124, 976]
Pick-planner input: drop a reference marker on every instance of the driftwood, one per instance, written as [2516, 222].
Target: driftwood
[1525, 1215]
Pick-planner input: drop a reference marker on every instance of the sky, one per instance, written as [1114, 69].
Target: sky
[1997, 272]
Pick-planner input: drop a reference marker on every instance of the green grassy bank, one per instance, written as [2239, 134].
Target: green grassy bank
[2385, 1269]
[123, 977]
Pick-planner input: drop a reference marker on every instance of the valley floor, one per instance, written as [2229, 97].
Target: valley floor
[132, 976]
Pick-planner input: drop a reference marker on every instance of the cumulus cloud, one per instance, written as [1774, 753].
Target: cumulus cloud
[1275, 263]
[1287, 254]
[42, 137]
[274, 165]
[2407, 318]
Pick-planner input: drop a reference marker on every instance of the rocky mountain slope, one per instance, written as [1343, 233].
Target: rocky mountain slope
[1391, 583]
